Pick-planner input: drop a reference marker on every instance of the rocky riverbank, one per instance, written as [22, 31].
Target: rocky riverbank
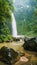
[17, 46]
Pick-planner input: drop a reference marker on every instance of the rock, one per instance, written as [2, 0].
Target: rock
[30, 44]
[16, 39]
[22, 61]
[7, 55]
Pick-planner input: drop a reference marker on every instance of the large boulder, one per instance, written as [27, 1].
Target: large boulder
[30, 44]
[7, 55]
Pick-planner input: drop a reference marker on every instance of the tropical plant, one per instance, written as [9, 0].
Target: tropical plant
[6, 8]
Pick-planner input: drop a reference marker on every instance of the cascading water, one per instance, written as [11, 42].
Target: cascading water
[14, 27]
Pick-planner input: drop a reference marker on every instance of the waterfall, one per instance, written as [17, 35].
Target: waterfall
[14, 27]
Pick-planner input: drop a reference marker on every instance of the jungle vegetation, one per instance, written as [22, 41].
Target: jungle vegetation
[6, 6]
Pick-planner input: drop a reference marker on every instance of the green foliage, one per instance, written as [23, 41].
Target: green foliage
[27, 18]
[5, 13]
[4, 38]
[5, 16]
[33, 23]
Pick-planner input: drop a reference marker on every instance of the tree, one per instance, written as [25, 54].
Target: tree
[6, 6]
[33, 23]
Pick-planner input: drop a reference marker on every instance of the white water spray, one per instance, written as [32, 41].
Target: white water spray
[14, 27]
